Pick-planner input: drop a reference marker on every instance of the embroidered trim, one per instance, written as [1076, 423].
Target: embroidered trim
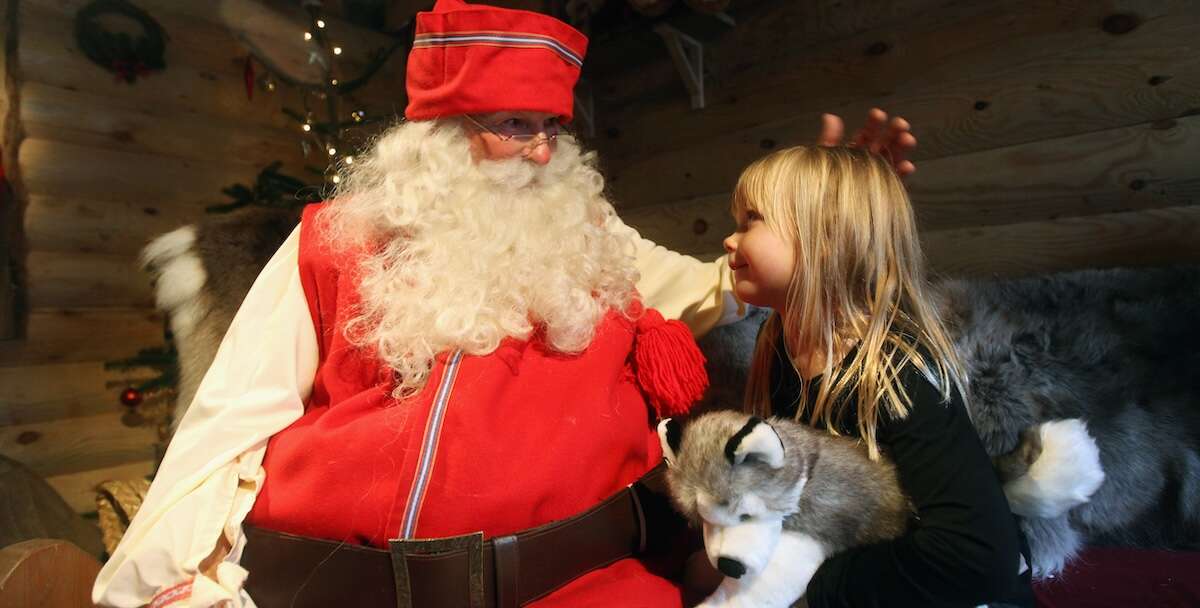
[433, 432]
[501, 39]
[171, 595]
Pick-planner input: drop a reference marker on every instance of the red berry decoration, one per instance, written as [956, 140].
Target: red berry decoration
[131, 397]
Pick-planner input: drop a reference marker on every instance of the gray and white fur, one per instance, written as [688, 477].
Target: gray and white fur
[1115, 349]
[774, 498]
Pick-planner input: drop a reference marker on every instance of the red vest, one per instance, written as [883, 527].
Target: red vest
[499, 443]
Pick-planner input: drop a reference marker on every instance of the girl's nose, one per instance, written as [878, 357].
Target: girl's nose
[730, 243]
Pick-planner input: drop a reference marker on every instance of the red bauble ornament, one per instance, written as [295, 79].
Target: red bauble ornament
[131, 397]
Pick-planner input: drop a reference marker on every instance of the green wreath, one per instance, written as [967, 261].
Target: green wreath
[124, 55]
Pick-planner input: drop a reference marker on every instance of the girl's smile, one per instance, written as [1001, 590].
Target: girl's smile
[762, 261]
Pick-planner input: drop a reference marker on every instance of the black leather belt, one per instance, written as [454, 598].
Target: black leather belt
[467, 571]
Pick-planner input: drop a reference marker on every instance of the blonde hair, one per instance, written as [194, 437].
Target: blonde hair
[859, 276]
[461, 255]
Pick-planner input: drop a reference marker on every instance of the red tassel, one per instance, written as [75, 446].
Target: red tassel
[670, 367]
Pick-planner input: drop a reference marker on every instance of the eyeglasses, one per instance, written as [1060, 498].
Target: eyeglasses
[519, 129]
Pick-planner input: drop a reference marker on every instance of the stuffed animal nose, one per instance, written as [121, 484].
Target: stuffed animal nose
[730, 567]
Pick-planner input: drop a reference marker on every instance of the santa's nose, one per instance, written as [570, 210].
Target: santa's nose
[730, 567]
[540, 152]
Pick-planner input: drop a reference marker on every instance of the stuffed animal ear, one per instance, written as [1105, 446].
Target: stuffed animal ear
[670, 433]
[757, 440]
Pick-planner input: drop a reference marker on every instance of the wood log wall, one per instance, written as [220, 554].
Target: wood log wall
[103, 166]
[1053, 136]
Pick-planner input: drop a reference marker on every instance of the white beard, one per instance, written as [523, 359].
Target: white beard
[465, 254]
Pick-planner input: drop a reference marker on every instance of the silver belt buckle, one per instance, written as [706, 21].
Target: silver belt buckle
[471, 544]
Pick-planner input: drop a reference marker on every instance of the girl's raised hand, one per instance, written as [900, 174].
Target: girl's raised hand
[893, 139]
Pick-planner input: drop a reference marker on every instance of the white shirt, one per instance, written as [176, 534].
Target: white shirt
[257, 385]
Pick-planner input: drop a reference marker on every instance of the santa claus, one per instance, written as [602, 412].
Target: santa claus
[441, 390]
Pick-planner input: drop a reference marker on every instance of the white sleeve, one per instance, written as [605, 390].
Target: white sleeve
[212, 471]
[681, 287]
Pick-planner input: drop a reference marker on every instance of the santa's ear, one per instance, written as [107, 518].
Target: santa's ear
[670, 433]
[756, 440]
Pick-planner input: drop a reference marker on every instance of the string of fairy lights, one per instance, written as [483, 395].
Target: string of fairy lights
[321, 121]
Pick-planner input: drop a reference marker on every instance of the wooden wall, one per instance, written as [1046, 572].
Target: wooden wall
[1052, 135]
[101, 167]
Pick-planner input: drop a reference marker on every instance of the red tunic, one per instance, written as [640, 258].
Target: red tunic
[527, 436]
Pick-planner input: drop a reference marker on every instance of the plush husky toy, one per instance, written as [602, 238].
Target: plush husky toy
[775, 498]
[774, 501]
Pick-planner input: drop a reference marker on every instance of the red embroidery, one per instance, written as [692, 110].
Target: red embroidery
[170, 595]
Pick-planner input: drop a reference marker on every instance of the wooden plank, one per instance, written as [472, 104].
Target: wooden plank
[950, 48]
[1135, 238]
[63, 336]
[70, 171]
[74, 445]
[208, 39]
[1141, 167]
[79, 489]
[205, 33]
[106, 227]
[695, 226]
[58, 114]
[635, 72]
[86, 280]
[49, 55]
[1050, 72]
[1139, 238]
[40, 393]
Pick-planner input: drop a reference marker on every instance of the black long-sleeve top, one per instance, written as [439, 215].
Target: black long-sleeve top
[963, 546]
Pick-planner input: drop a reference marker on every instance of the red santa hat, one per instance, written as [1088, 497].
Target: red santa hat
[476, 59]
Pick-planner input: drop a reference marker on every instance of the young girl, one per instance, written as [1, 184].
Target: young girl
[827, 238]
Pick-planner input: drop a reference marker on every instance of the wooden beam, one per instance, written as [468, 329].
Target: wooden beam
[73, 445]
[992, 80]
[1145, 166]
[58, 114]
[1138, 167]
[118, 228]
[204, 78]
[634, 74]
[1135, 238]
[79, 489]
[91, 280]
[49, 56]
[211, 35]
[70, 171]
[42, 393]
[63, 336]
[274, 32]
[694, 226]
[1138, 238]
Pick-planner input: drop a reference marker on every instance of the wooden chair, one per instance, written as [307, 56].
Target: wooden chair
[46, 573]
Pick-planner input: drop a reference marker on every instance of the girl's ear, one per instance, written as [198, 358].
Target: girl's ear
[670, 433]
[757, 440]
